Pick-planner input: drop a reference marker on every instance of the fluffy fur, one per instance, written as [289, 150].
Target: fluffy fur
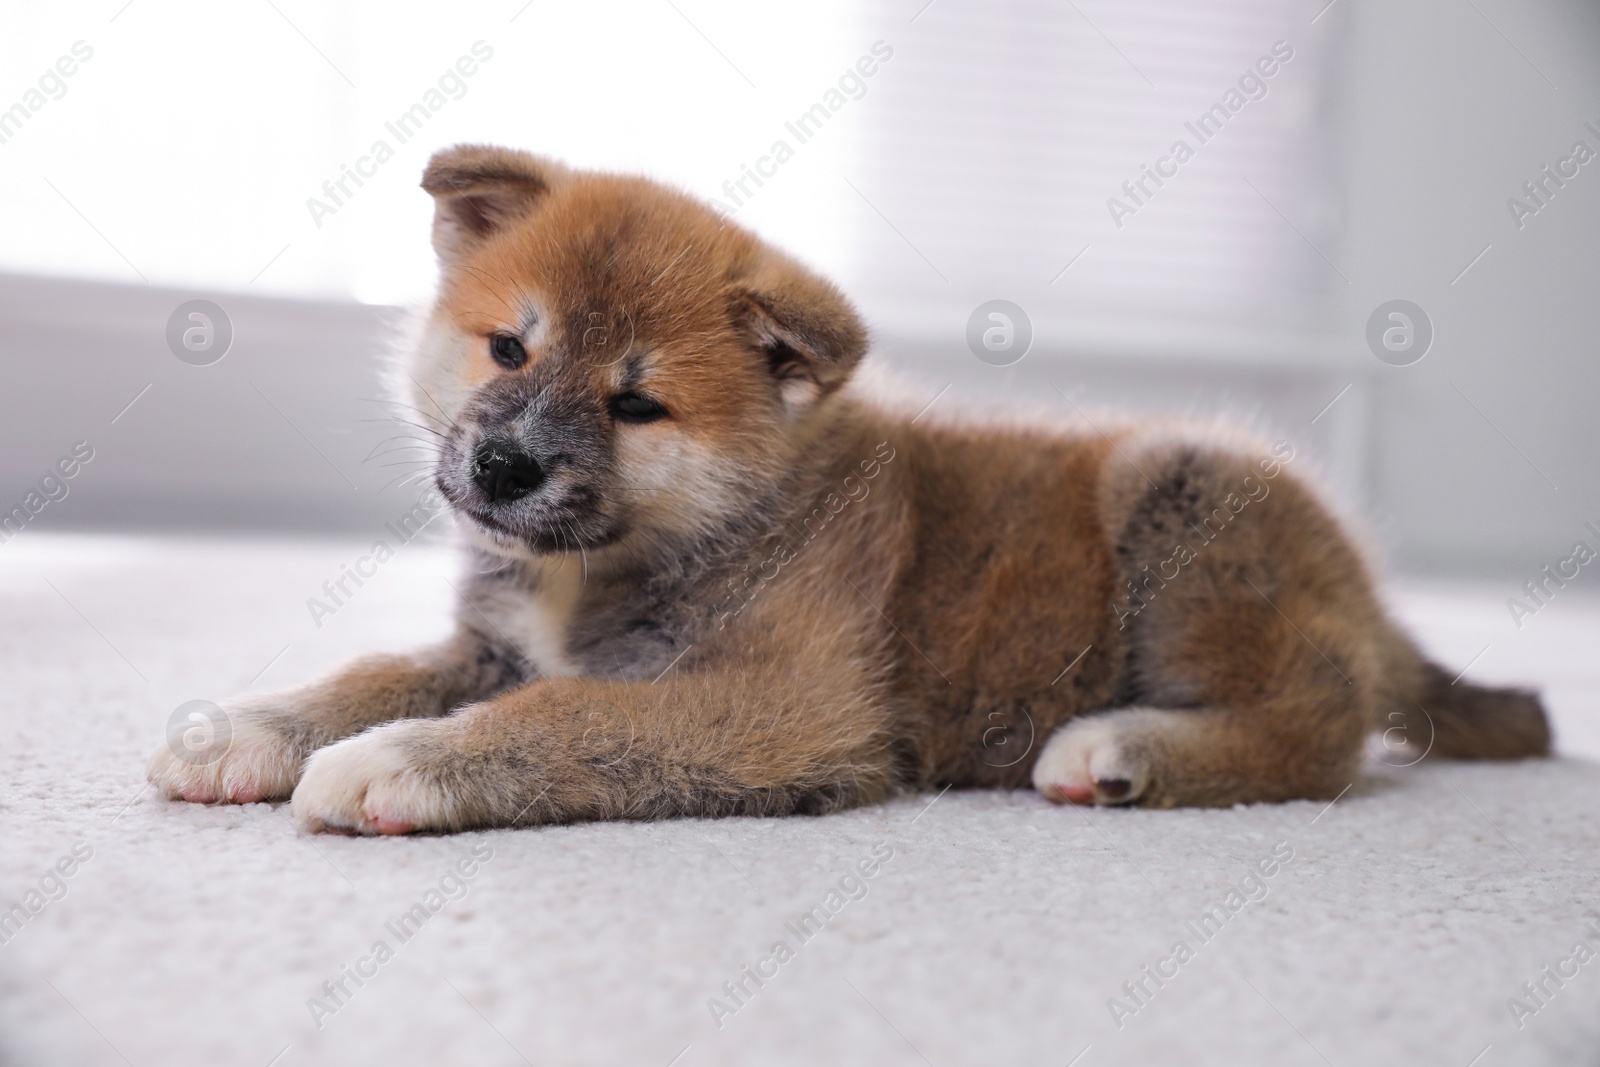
[706, 577]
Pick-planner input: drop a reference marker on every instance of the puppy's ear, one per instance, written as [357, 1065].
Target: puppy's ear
[804, 330]
[479, 189]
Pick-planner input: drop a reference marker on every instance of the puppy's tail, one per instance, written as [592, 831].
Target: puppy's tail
[1457, 719]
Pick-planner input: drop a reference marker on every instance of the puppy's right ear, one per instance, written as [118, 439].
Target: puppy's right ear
[479, 189]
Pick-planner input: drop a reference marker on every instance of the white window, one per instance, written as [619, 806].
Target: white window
[186, 149]
[1120, 163]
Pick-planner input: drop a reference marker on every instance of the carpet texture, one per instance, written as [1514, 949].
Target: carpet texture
[1397, 926]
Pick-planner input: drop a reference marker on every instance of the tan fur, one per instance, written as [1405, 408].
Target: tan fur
[782, 597]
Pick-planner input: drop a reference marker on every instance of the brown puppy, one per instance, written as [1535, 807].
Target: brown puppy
[706, 578]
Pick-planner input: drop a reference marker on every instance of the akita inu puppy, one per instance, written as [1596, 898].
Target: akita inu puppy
[706, 578]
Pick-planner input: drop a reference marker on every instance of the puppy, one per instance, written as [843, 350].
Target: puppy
[706, 578]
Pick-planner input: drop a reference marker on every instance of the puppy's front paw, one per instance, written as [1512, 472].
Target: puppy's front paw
[377, 782]
[1088, 761]
[238, 756]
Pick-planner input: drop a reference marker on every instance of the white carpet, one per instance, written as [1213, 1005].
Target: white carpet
[996, 934]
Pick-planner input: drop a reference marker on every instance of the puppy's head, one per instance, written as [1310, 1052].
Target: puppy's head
[609, 360]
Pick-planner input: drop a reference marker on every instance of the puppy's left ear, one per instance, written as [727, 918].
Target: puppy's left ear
[480, 189]
[804, 330]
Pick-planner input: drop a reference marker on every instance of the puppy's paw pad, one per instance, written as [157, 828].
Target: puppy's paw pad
[1085, 762]
[1068, 793]
[370, 784]
[1113, 788]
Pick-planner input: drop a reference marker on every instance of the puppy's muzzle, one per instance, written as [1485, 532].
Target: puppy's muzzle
[505, 473]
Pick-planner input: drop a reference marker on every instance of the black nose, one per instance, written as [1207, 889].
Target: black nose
[505, 473]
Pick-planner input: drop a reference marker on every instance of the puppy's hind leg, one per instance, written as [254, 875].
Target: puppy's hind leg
[1202, 757]
[1238, 702]
[1254, 644]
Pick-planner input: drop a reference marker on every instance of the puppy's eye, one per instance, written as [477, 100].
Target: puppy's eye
[632, 407]
[507, 351]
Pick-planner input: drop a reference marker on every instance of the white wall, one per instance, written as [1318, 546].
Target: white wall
[1446, 116]
[278, 434]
